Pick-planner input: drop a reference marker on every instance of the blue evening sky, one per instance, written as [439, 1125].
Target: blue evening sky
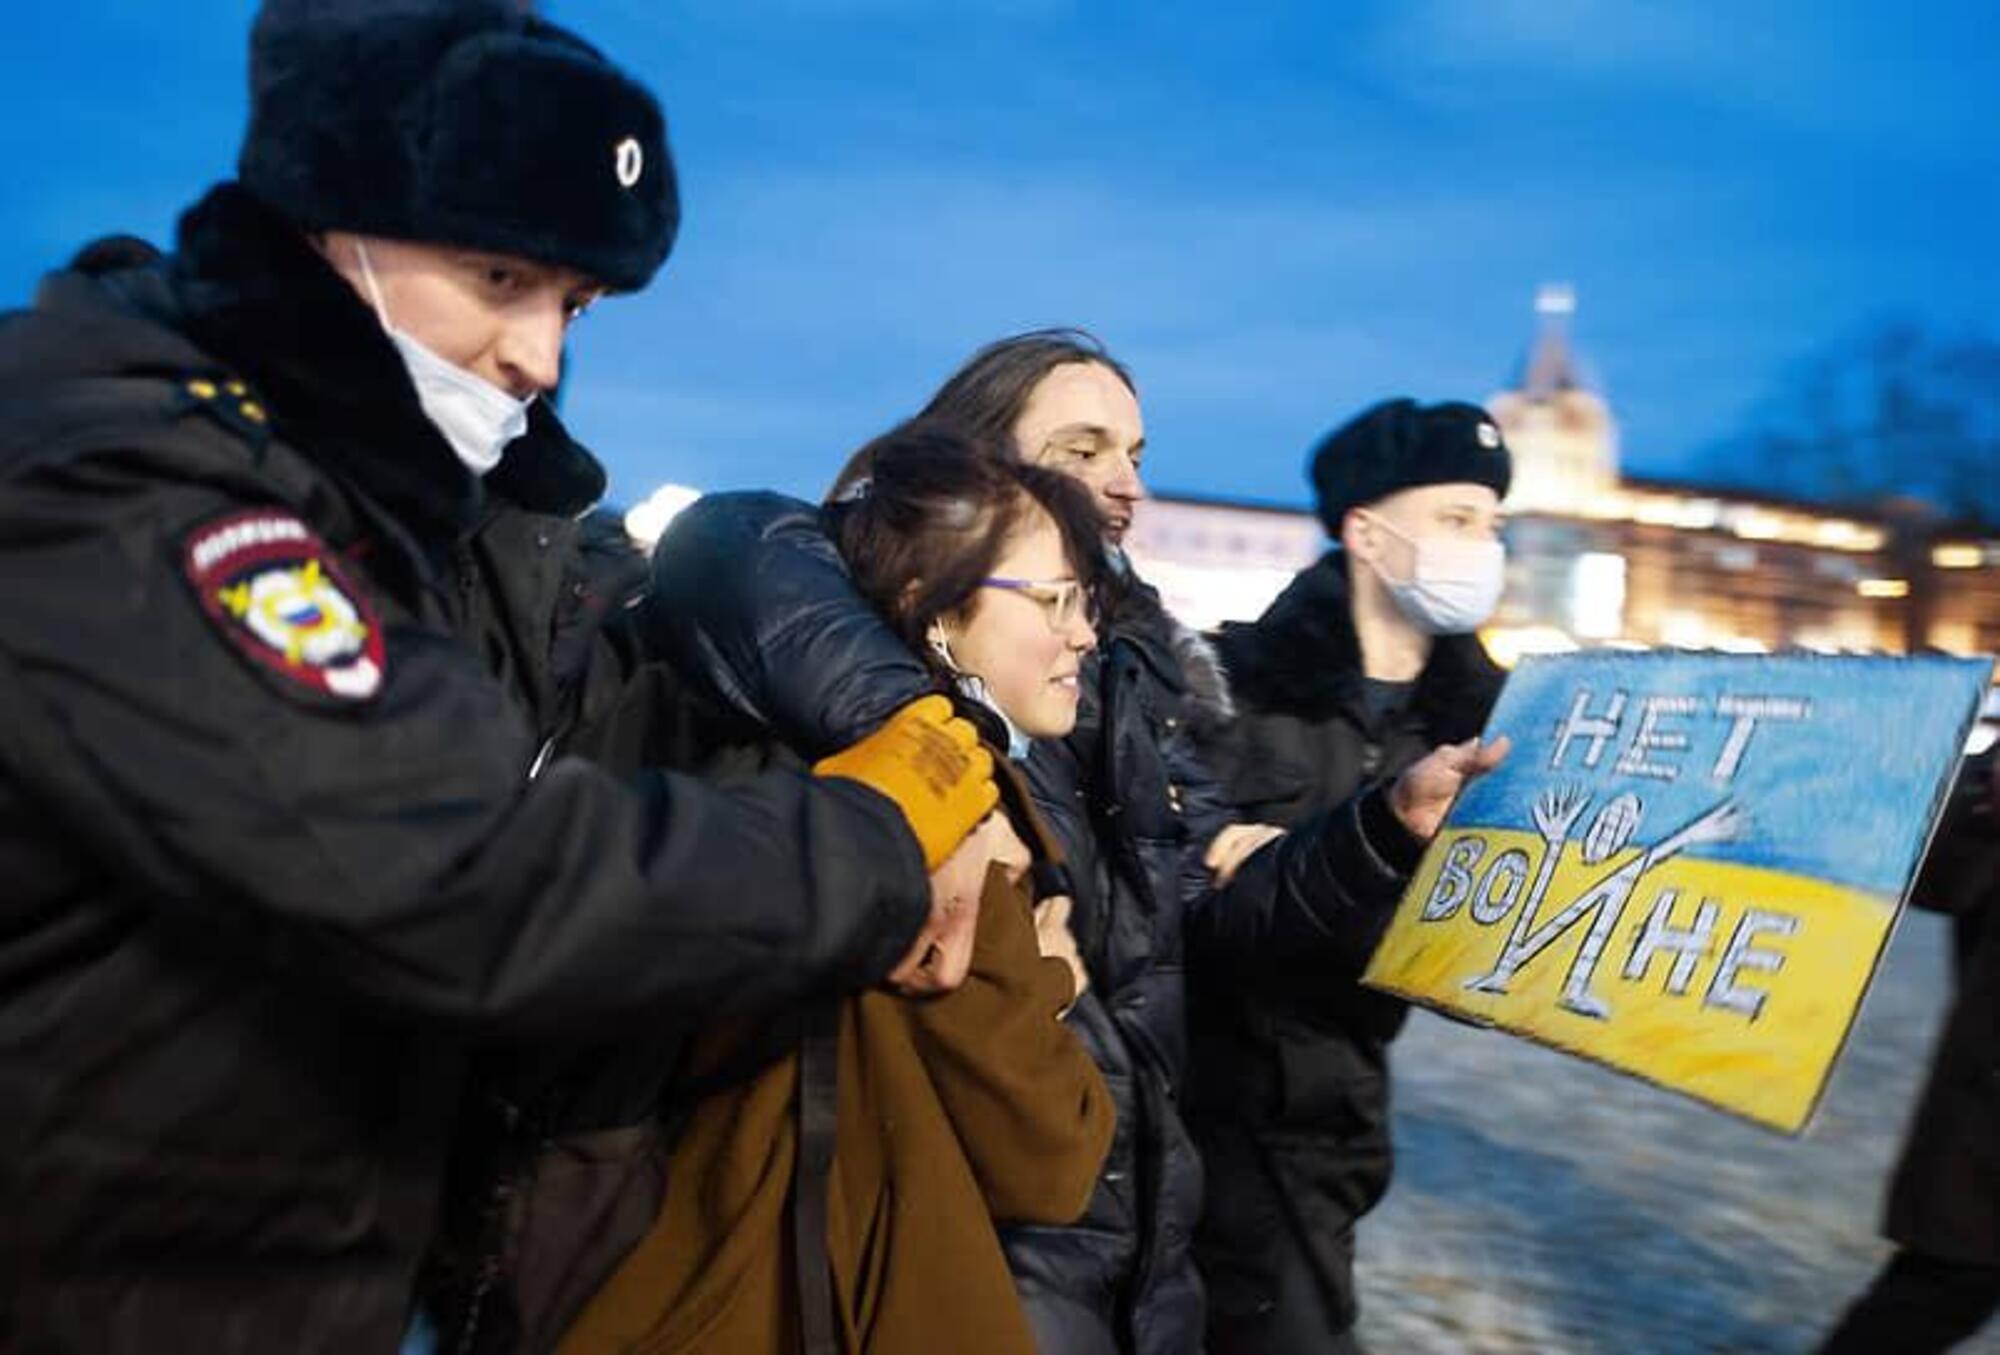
[1276, 213]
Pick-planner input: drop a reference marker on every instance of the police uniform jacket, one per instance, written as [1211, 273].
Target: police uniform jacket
[1292, 1113]
[286, 819]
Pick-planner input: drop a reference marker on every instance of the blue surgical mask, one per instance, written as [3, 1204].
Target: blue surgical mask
[974, 687]
[475, 416]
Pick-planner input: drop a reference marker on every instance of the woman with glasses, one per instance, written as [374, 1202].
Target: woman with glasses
[1162, 881]
[841, 1196]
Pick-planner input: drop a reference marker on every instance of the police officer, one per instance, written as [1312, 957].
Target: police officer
[1367, 660]
[286, 820]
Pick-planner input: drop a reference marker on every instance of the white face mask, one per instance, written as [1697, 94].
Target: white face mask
[1453, 585]
[475, 416]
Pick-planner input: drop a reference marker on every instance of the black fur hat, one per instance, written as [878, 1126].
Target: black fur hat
[1400, 444]
[465, 122]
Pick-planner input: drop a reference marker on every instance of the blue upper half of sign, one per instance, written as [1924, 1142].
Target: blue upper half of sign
[1834, 765]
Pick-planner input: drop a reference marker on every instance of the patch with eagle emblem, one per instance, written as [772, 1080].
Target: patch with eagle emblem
[272, 586]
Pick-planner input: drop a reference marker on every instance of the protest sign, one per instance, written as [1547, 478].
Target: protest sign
[1690, 864]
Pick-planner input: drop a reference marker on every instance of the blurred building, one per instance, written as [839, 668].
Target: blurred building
[1595, 557]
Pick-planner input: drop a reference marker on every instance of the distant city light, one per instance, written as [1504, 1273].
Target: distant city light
[1597, 595]
[1843, 535]
[1555, 298]
[1750, 522]
[1958, 555]
[1205, 596]
[1741, 644]
[1683, 630]
[1883, 588]
[647, 519]
[1755, 525]
[1508, 645]
[1955, 636]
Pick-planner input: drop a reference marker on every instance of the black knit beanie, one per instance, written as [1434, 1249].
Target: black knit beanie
[1400, 444]
[462, 122]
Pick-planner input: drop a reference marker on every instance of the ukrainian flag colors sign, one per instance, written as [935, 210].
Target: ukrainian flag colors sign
[1689, 865]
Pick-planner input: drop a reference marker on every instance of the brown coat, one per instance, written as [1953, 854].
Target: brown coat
[951, 1113]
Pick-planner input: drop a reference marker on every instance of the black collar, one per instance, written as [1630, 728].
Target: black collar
[1303, 658]
[1140, 620]
[254, 293]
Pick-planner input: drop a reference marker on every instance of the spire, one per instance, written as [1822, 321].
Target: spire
[1564, 440]
[1550, 366]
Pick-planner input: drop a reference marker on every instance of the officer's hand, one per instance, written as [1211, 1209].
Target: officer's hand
[1234, 845]
[1427, 787]
[930, 763]
[942, 956]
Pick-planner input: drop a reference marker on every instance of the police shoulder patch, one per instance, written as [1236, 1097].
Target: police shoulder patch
[272, 586]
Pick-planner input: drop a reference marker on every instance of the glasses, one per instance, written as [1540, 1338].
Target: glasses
[1062, 601]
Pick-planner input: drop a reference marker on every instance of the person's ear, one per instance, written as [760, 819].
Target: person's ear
[1358, 533]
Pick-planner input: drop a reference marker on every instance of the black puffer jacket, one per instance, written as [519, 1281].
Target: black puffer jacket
[275, 671]
[756, 596]
[1945, 1198]
[1292, 1110]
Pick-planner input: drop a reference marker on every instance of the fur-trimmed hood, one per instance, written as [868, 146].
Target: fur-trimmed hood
[1182, 658]
[1303, 658]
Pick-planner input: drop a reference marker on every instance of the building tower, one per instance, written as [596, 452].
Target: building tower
[1561, 432]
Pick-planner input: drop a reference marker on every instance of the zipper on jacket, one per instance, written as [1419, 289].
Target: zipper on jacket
[493, 1229]
[467, 570]
[468, 575]
[489, 1271]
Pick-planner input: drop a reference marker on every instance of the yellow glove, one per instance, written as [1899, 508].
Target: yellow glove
[930, 763]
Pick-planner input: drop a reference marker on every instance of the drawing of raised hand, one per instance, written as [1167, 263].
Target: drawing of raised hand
[1557, 809]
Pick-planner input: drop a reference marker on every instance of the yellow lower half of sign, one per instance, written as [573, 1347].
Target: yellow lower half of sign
[1734, 984]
